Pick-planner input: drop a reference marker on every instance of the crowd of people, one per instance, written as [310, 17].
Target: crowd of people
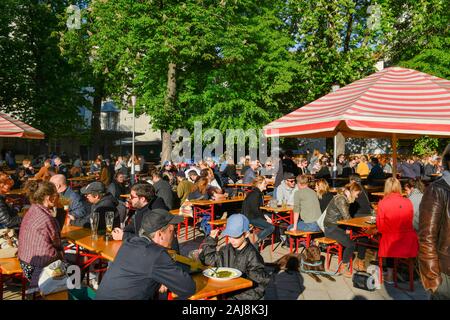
[409, 226]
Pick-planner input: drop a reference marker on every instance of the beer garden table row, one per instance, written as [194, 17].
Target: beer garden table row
[101, 249]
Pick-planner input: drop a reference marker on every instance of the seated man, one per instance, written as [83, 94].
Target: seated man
[286, 189]
[376, 173]
[251, 173]
[239, 253]
[143, 267]
[306, 207]
[78, 208]
[102, 202]
[143, 199]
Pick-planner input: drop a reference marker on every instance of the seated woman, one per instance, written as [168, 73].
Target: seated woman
[8, 216]
[251, 209]
[39, 237]
[201, 191]
[323, 193]
[338, 209]
[395, 223]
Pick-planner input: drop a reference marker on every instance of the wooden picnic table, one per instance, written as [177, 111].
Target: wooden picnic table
[10, 267]
[359, 222]
[16, 192]
[205, 287]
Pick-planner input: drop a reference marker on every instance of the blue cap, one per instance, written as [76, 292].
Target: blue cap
[237, 224]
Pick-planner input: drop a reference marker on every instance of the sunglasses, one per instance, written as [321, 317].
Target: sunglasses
[290, 180]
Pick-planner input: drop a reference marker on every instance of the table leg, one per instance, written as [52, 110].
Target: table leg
[1, 284]
[186, 227]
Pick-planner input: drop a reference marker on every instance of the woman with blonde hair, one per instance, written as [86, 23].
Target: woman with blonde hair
[395, 223]
[338, 209]
[323, 193]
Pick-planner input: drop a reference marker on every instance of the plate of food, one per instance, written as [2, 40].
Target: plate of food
[222, 273]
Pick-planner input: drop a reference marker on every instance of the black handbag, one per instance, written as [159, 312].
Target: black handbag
[364, 281]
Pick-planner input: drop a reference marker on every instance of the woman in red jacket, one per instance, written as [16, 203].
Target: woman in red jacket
[395, 223]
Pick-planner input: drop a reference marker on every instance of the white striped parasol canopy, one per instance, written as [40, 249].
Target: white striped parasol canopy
[11, 127]
[392, 103]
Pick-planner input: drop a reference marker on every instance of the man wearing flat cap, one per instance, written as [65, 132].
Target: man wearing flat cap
[143, 266]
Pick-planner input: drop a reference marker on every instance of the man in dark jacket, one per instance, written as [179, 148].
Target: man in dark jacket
[102, 202]
[8, 216]
[79, 209]
[143, 267]
[434, 235]
[240, 254]
[162, 188]
[143, 199]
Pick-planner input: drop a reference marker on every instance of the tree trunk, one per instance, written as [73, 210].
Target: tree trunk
[349, 32]
[169, 108]
[95, 123]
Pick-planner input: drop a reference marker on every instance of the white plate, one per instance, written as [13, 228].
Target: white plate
[210, 273]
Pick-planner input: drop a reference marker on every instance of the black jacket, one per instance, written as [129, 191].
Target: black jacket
[133, 227]
[252, 203]
[248, 261]
[326, 198]
[230, 172]
[116, 189]
[8, 217]
[361, 207]
[164, 191]
[140, 280]
[106, 203]
[337, 210]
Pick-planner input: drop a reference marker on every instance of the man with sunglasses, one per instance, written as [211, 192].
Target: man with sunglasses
[285, 191]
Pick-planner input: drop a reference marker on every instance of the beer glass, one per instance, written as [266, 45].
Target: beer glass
[109, 219]
[94, 225]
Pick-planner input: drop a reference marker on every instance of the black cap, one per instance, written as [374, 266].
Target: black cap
[288, 175]
[159, 218]
[96, 186]
[181, 174]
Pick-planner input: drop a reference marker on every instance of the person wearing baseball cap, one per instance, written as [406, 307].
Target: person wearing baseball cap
[240, 254]
[286, 189]
[101, 201]
[143, 267]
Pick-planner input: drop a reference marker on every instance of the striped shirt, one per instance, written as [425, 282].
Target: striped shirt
[39, 237]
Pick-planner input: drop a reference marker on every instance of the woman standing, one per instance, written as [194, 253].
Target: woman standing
[395, 223]
[39, 237]
[338, 209]
[251, 209]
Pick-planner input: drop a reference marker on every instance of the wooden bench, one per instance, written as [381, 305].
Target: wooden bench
[299, 235]
[331, 246]
[10, 267]
[176, 212]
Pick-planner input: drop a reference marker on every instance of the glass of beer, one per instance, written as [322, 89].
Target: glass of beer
[94, 225]
[109, 219]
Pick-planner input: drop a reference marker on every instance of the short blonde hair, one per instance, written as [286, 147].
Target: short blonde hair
[392, 185]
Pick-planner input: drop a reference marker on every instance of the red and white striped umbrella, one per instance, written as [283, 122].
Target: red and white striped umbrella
[394, 101]
[10, 127]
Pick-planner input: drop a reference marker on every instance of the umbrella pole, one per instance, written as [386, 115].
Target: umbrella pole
[394, 154]
[334, 174]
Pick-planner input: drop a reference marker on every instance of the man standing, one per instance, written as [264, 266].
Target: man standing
[78, 208]
[143, 266]
[306, 207]
[434, 235]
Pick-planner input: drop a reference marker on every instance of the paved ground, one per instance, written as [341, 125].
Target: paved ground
[300, 286]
